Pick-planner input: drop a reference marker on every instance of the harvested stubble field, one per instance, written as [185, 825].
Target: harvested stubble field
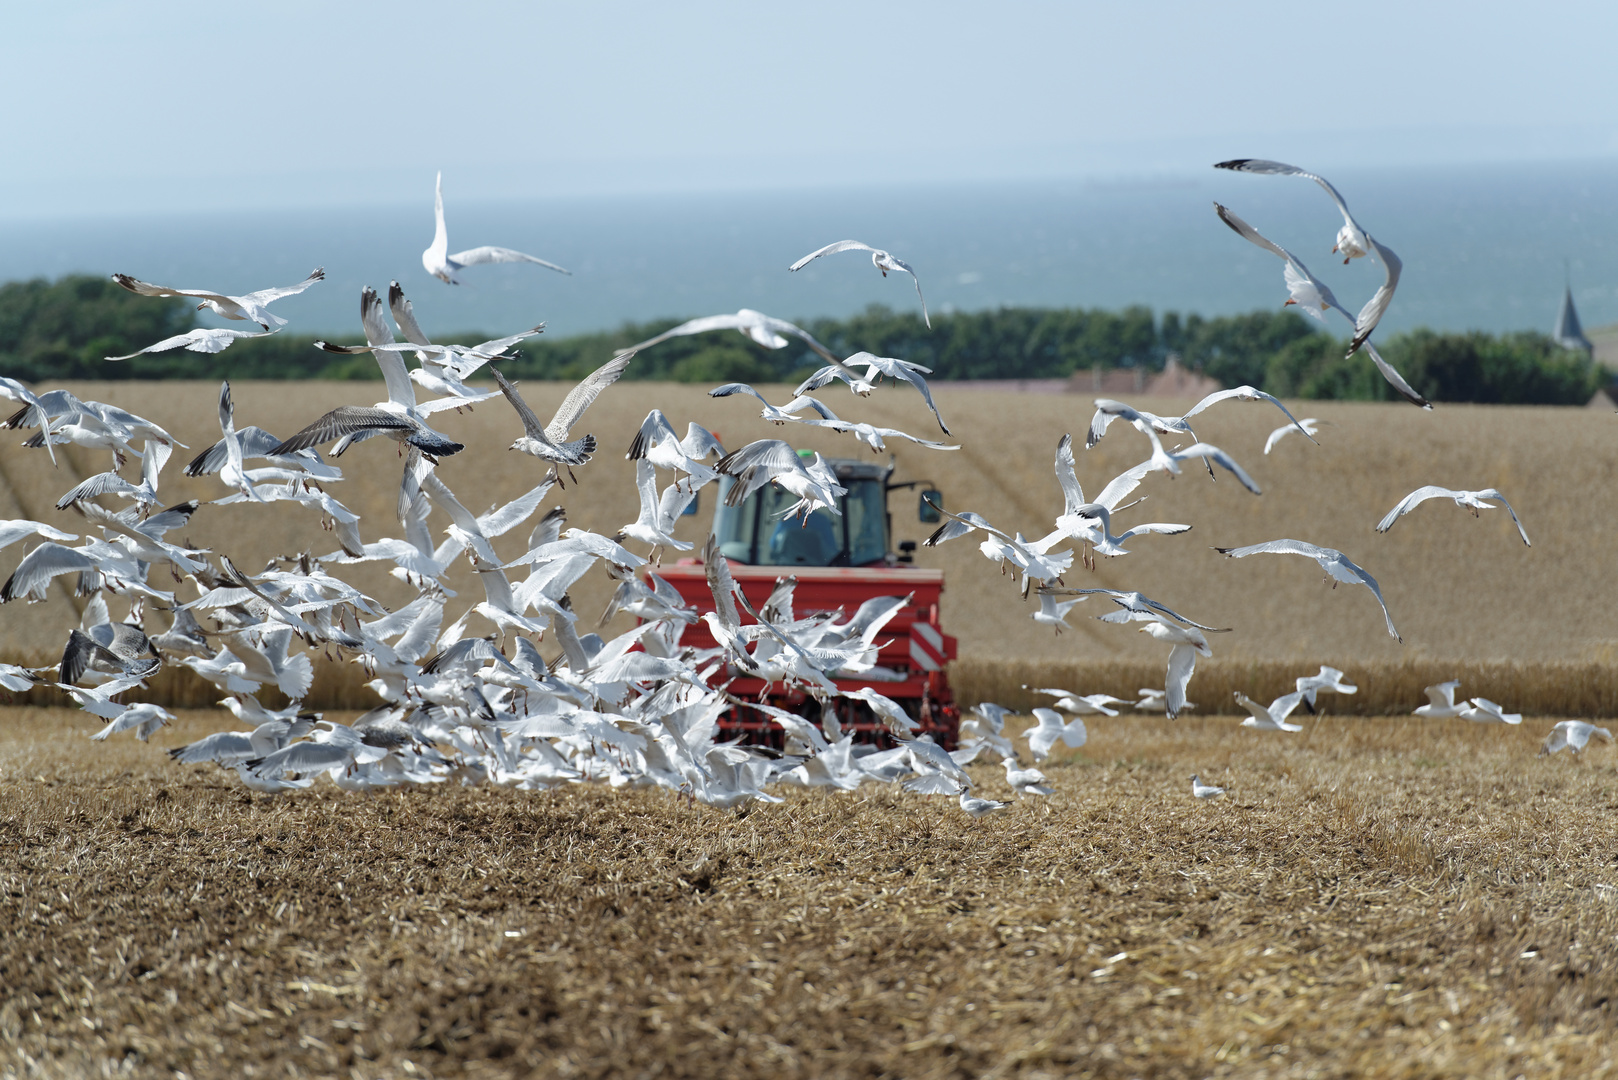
[1465, 593]
[1374, 898]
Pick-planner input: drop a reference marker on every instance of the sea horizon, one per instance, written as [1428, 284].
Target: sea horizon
[1483, 249]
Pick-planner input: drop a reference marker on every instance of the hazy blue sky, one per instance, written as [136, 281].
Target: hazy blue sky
[114, 108]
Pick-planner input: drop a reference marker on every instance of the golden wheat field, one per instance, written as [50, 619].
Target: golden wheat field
[1464, 592]
[1373, 898]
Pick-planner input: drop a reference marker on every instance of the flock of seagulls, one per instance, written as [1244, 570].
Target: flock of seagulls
[516, 691]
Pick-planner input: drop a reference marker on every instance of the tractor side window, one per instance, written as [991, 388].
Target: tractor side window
[734, 524]
[867, 509]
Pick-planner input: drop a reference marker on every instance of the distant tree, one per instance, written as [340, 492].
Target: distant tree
[61, 330]
[1237, 349]
[1525, 367]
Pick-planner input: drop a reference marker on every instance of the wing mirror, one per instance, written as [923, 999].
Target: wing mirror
[932, 501]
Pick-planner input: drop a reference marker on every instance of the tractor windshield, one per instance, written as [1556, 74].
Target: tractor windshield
[756, 533]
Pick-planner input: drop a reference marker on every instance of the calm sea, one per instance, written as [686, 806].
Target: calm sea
[1483, 248]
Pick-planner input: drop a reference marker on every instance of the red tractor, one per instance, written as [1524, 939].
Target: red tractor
[840, 562]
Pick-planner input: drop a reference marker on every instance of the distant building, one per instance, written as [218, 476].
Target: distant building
[1568, 333]
[1178, 381]
[1174, 381]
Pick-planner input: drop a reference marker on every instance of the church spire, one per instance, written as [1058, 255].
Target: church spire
[1568, 333]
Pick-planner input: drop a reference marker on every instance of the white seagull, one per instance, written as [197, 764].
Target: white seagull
[1054, 614]
[201, 340]
[1573, 734]
[978, 807]
[1441, 701]
[756, 326]
[1352, 241]
[1187, 642]
[253, 307]
[880, 259]
[399, 417]
[1312, 296]
[1333, 562]
[1089, 704]
[1328, 678]
[1271, 717]
[1244, 393]
[1108, 410]
[759, 463]
[1204, 791]
[1049, 728]
[1112, 546]
[1032, 558]
[875, 366]
[1484, 711]
[1472, 499]
[655, 525]
[444, 266]
[1308, 425]
[1024, 781]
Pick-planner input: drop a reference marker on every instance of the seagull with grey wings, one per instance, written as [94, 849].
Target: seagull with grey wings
[1472, 499]
[399, 417]
[875, 367]
[252, 307]
[446, 267]
[756, 326]
[1338, 567]
[1312, 296]
[880, 259]
[1353, 242]
[445, 368]
[549, 442]
[203, 339]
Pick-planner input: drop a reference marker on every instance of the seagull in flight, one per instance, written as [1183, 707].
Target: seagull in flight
[757, 327]
[1271, 717]
[1108, 410]
[1441, 701]
[1328, 678]
[444, 266]
[875, 366]
[1336, 565]
[1187, 643]
[549, 443]
[1136, 607]
[1089, 704]
[1473, 499]
[1050, 727]
[1308, 425]
[766, 460]
[1244, 393]
[1353, 242]
[399, 417]
[201, 340]
[1312, 296]
[880, 259]
[253, 307]
[1573, 734]
[1484, 711]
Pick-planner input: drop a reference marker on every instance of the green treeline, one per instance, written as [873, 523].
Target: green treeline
[51, 332]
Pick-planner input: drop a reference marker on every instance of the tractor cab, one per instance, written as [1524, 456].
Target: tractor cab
[756, 533]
